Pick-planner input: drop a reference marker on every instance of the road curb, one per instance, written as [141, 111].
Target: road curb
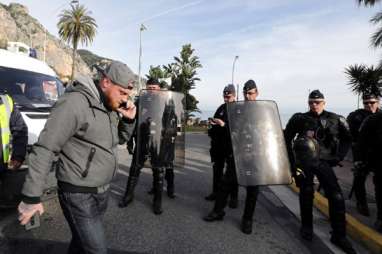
[357, 230]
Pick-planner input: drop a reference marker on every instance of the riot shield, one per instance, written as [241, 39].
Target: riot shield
[258, 143]
[160, 129]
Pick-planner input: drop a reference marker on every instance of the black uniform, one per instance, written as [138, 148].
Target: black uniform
[167, 149]
[332, 135]
[370, 143]
[19, 133]
[220, 151]
[355, 120]
[229, 183]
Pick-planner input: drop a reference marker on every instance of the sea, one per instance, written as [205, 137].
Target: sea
[284, 115]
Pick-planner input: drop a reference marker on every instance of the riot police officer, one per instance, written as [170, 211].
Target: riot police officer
[355, 119]
[229, 180]
[218, 150]
[323, 139]
[370, 143]
[139, 158]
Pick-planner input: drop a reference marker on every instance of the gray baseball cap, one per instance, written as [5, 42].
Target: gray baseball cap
[117, 72]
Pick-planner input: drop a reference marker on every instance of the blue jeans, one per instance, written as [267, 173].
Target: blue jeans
[84, 212]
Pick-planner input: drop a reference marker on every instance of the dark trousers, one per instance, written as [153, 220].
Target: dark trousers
[328, 180]
[84, 213]
[359, 186]
[217, 176]
[228, 185]
[360, 190]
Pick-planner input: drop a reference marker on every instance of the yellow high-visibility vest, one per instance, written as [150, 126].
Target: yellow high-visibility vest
[6, 109]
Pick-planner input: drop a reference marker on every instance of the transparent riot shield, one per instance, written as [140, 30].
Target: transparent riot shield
[160, 129]
[258, 143]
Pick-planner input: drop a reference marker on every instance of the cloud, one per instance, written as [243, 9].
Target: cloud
[288, 59]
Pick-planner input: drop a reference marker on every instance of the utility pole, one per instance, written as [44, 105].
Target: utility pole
[233, 72]
[142, 28]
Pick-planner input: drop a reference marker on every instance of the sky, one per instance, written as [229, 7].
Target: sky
[289, 47]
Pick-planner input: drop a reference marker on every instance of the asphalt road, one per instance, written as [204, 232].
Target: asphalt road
[180, 229]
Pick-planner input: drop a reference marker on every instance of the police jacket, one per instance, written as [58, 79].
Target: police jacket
[81, 134]
[330, 130]
[370, 140]
[19, 133]
[355, 120]
[220, 136]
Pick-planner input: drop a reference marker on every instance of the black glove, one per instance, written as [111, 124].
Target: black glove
[298, 177]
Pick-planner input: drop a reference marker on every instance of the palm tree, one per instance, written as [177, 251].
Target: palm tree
[368, 2]
[184, 76]
[76, 25]
[364, 79]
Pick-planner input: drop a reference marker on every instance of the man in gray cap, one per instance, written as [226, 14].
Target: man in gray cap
[82, 132]
[220, 146]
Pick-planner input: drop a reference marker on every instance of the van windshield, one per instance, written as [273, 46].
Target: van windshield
[30, 90]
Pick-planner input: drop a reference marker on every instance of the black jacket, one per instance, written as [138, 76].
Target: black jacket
[329, 129]
[220, 136]
[355, 120]
[370, 140]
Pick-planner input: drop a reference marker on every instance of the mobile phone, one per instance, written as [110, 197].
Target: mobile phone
[123, 105]
[34, 222]
[211, 119]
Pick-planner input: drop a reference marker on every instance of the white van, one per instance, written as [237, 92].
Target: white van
[34, 87]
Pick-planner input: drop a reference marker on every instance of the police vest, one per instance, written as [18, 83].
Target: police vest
[6, 108]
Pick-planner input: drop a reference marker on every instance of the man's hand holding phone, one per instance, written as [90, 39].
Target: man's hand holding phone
[127, 109]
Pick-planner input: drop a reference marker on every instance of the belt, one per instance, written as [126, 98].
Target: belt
[68, 187]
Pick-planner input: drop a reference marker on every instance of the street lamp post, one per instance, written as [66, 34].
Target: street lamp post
[142, 28]
[233, 71]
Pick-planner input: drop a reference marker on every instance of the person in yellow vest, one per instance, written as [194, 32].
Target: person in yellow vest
[13, 146]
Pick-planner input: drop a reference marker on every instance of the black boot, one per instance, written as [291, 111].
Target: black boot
[214, 216]
[157, 202]
[306, 233]
[129, 193]
[343, 244]
[211, 197]
[170, 182]
[246, 226]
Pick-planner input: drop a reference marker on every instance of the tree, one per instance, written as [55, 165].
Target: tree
[183, 73]
[183, 76]
[364, 79]
[75, 26]
[368, 2]
[376, 38]
[156, 72]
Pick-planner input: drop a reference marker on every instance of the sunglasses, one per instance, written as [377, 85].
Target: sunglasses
[315, 102]
[249, 93]
[130, 87]
[369, 102]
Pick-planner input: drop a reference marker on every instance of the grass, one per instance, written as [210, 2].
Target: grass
[196, 129]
